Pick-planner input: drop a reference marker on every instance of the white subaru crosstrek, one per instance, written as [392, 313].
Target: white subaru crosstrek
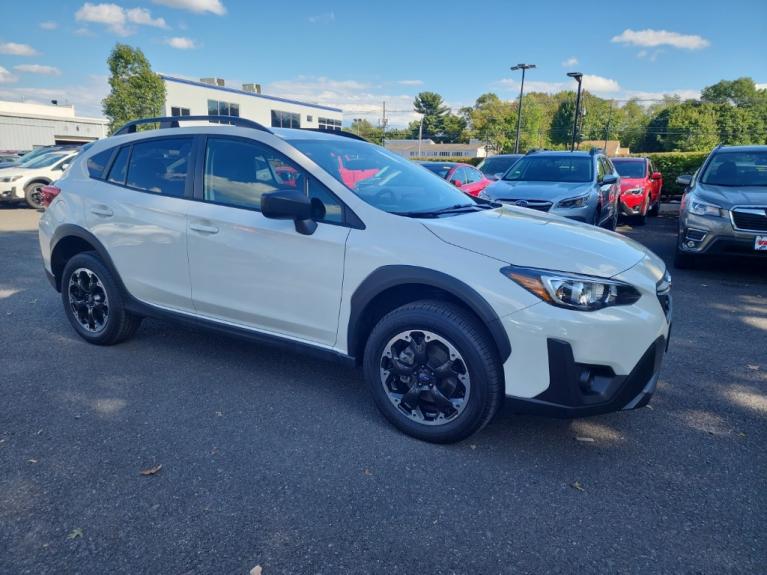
[23, 183]
[331, 244]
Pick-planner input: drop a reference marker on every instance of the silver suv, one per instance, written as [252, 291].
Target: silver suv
[724, 208]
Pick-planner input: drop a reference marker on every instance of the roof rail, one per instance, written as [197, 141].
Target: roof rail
[596, 150]
[534, 151]
[343, 133]
[173, 122]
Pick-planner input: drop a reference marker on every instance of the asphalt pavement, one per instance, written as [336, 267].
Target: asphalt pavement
[272, 459]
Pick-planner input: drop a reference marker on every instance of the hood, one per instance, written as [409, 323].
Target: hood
[529, 238]
[728, 196]
[628, 183]
[549, 191]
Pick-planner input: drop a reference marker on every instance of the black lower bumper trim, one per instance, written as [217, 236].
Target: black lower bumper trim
[580, 390]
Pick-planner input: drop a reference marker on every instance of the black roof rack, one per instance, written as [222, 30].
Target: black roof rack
[343, 133]
[173, 122]
[596, 150]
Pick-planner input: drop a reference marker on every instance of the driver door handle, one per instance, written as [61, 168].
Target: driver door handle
[203, 229]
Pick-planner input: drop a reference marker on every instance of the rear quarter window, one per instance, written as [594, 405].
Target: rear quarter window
[97, 163]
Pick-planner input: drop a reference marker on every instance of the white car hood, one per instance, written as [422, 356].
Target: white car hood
[528, 238]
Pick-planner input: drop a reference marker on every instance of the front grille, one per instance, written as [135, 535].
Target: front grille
[663, 290]
[539, 205]
[750, 219]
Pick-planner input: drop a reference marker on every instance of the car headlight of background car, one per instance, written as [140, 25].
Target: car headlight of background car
[577, 202]
[483, 195]
[572, 291]
[635, 191]
[701, 208]
[7, 179]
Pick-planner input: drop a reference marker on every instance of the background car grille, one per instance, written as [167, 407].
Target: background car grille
[532, 204]
[748, 220]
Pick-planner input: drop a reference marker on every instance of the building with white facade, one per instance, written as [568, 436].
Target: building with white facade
[211, 96]
[428, 149]
[24, 126]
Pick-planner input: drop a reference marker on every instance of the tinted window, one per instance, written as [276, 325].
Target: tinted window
[459, 175]
[551, 169]
[97, 162]
[473, 175]
[497, 165]
[440, 169]
[238, 173]
[737, 169]
[120, 166]
[630, 168]
[160, 166]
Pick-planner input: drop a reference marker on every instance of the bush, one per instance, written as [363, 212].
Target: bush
[471, 161]
[674, 164]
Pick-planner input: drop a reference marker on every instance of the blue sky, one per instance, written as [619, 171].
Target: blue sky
[357, 54]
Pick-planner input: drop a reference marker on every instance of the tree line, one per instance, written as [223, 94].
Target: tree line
[728, 112]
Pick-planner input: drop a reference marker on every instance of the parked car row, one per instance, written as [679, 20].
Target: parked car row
[21, 180]
[450, 303]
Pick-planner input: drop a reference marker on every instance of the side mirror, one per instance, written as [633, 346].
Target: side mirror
[457, 183]
[609, 180]
[290, 205]
[656, 176]
[684, 180]
[63, 167]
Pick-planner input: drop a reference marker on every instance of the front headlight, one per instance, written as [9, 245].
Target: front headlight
[573, 291]
[577, 202]
[700, 208]
[11, 178]
[635, 191]
[482, 194]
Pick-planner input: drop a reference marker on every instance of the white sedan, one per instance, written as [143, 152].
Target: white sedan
[24, 183]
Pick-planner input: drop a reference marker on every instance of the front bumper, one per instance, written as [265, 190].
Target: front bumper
[706, 235]
[631, 205]
[9, 193]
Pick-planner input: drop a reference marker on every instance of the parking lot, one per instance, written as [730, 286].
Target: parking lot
[282, 461]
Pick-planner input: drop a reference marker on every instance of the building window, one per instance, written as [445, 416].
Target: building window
[285, 119]
[328, 124]
[177, 111]
[219, 108]
[309, 119]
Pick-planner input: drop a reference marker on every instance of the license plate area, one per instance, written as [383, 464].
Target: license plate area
[760, 243]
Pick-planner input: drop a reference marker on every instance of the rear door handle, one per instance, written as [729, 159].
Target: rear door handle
[203, 229]
[102, 211]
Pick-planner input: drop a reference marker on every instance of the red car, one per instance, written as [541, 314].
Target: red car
[463, 176]
[641, 187]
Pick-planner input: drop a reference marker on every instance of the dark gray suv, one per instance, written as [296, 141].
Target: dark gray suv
[724, 208]
[583, 186]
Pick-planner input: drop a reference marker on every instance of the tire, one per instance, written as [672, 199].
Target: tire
[32, 195]
[99, 300]
[475, 393]
[683, 261]
[655, 208]
[641, 219]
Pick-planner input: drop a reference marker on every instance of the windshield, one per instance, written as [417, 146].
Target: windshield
[737, 169]
[381, 178]
[440, 169]
[550, 169]
[34, 155]
[630, 168]
[497, 165]
[45, 160]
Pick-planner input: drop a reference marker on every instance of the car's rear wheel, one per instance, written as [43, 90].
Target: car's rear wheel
[32, 195]
[433, 371]
[655, 208]
[93, 302]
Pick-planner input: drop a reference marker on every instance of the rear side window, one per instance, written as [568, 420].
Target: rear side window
[119, 168]
[160, 166]
[97, 162]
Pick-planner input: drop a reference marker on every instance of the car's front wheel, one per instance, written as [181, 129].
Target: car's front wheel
[433, 371]
[93, 302]
[32, 195]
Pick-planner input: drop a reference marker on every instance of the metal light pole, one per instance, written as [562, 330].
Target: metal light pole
[420, 134]
[578, 78]
[522, 67]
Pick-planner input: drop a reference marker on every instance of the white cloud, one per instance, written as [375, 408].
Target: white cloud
[324, 18]
[38, 69]
[198, 6]
[86, 96]
[573, 61]
[6, 77]
[118, 19]
[181, 43]
[14, 49]
[49, 25]
[598, 84]
[761, 86]
[653, 38]
[356, 99]
[649, 97]
[592, 83]
[410, 82]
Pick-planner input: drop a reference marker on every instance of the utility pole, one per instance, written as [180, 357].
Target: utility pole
[607, 128]
[384, 121]
[420, 135]
[522, 67]
[578, 78]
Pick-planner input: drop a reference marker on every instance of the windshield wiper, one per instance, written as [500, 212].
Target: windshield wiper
[456, 209]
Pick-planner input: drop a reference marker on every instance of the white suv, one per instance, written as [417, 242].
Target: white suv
[24, 182]
[334, 245]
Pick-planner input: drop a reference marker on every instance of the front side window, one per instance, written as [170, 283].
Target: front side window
[238, 173]
[160, 166]
[496, 165]
[381, 178]
[737, 169]
[630, 168]
[551, 169]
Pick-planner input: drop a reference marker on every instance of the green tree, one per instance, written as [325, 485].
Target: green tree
[491, 121]
[740, 92]
[432, 107]
[137, 92]
[691, 126]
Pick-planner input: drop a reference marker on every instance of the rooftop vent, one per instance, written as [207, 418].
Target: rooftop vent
[253, 88]
[213, 81]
